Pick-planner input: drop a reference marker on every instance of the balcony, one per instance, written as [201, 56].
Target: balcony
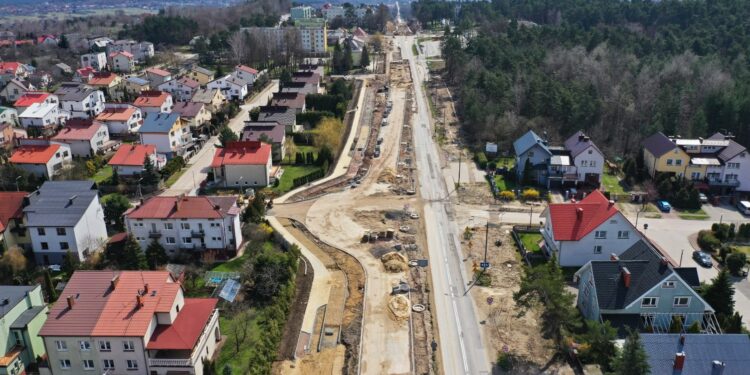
[198, 233]
[185, 358]
[719, 182]
[187, 246]
[154, 234]
[170, 362]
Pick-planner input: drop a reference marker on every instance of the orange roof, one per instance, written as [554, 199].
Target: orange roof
[158, 72]
[11, 66]
[124, 53]
[116, 114]
[196, 207]
[30, 98]
[246, 69]
[78, 130]
[11, 207]
[573, 221]
[100, 310]
[242, 153]
[11, 356]
[102, 79]
[132, 155]
[151, 99]
[186, 329]
[86, 71]
[33, 154]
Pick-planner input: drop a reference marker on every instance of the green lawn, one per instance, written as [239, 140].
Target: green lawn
[651, 211]
[698, 214]
[531, 241]
[742, 249]
[503, 184]
[304, 149]
[290, 173]
[174, 177]
[103, 174]
[612, 184]
[414, 49]
[235, 265]
[505, 162]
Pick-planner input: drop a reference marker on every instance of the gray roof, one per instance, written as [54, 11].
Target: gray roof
[204, 95]
[15, 294]
[203, 70]
[281, 114]
[527, 141]
[578, 143]
[74, 91]
[729, 152]
[59, 203]
[26, 317]
[658, 144]
[689, 274]
[137, 80]
[700, 350]
[254, 129]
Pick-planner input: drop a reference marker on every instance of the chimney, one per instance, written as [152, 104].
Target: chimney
[71, 302]
[139, 301]
[581, 137]
[611, 203]
[679, 361]
[145, 289]
[115, 280]
[682, 340]
[625, 276]
[573, 200]
[717, 367]
[664, 261]
[579, 213]
[613, 257]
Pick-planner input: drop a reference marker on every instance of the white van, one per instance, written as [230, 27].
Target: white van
[744, 207]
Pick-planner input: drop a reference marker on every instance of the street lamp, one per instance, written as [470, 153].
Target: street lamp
[18, 178]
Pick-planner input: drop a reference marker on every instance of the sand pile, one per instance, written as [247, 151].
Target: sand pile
[395, 262]
[400, 307]
[387, 176]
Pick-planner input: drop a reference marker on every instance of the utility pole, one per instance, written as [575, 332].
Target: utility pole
[486, 241]
[531, 212]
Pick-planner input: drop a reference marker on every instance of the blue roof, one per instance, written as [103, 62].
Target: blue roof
[527, 141]
[701, 350]
[158, 122]
[137, 80]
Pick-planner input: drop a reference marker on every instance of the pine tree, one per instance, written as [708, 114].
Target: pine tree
[364, 61]
[49, 287]
[156, 255]
[63, 43]
[633, 359]
[346, 58]
[133, 258]
[528, 173]
[227, 370]
[227, 135]
[720, 294]
[115, 179]
[149, 175]
[70, 263]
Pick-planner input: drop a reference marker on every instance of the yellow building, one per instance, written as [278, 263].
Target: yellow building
[201, 75]
[689, 158]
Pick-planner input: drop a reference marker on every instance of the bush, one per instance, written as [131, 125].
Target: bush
[530, 194]
[481, 159]
[735, 262]
[507, 195]
[707, 241]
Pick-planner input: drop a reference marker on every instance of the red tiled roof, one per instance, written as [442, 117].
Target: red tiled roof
[151, 98]
[185, 331]
[246, 69]
[11, 207]
[86, 71]
[33, 154]
[99, 310]
[30, 98]
[242, 153]
[102, 78]
[116, 114]
[158, 72]
[573, 221]
[132, 155]
[124, 53]
[78, 130]
[200, 207]
[189, 82]
[11, 66]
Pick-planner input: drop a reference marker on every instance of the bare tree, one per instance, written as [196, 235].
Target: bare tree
[238, 44]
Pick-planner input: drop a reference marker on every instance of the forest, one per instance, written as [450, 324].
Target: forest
[618, 70]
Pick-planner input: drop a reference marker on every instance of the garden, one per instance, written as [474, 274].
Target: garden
[728, 244]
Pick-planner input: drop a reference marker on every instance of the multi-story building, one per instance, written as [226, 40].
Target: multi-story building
[80, 100]
[122, 62]
[302, 11]
[12, 231]
[167, 132]
[313, 33]
[129, 160]
[86, 137]
[332, 11]
[156, 76]
[202, 75]
[242, 163]
[212, 98]
[194, 114]
[65, 217]
[43, 160]
[14, 89]
[141, 51]
[129, 322]
[35, 97]
[245, 73]
[42, 117]
[8, 115]
[121, 118]
[97, 60]
[136, 85]
[22, 314]
[182, 89]
[154, 102]
[187, 223]
[230, 86]
[110, 83]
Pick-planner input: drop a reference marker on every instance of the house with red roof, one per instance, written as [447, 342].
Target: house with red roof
[29, 98]
[242, 164]
[83, 75]
[130, 322]
[130, 158]
[108, 82]
[590, 229]
[86, 137]
[12, 232]
[187, 223]
[245, 73]
[14, 89]
[121, 118]
[182, 89]
[123, 61]
[156, 76]
[43, 160]
[151, 101]
[13, 69]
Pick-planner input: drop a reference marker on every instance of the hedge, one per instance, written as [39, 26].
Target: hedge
[311, 118]
[481, 159]
[312, 176]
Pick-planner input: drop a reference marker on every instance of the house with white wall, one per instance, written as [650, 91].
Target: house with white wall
[32, 97]
[121, 118]
[156, 76]
[65, 217]
[242, 164]
[122, 62]
[97, 60]
[151, 101]
[232, 88]
[590, 229]
[44, 117]
[587, 158]
[43, 160]
[8, 115]
[80, 100]
[245, 73]
[141, 51]
[167, 132]
[14, 89]
[182, 89]
[130, 159]
[86, 137]
[130, 322]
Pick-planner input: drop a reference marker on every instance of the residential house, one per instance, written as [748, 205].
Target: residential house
[41, 160]
[63, 69]
[8, 115]
[301, 87]
[313, 35]
[39, 79]
[182, 89]
[154, 102]
[269, 132]
[47, 40]
[332, 11]
[43, 118]
[65, 217]
[312, 67]
[130, 322]
[232, 88]
[83, 75]
[130, 158]
[242, 163]
[136, 85]
[21, 317]
[294, 100]
[245, 73]
[156, 76]
[193, 114]
[12, 230]
[662, 154]
[109, 83]
[588, 160]
[14, 90]
[121, 118]
[212, 98]
[141, 51]
[98, 42]
[697, 354]
[80, 100]
[356, 45]
[639, 289]
[122, 62]
[86, 137]
[283, 115]
[32, 97]
[734, 171]
[308, 77]
[590, 229]
[7, 135]
[96, 60]
[167, 132]
[13, 70]
[302, 11]
[201, 75]
[187, 223]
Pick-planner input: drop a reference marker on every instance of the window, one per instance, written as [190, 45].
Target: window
[168, 226]
[65, 364]
[678, 162]
[60, 231]
[105, 346]
[128, 346]
[62, 346]
[649, 302]
[669, 161]
[40, 231]
[187, 240]
[733, 165]
[531, 154]
[695, 175]
[185, 225]
[85, 345]
[88, 364]
[45, 246]
[584, 163]
[108, 364]
[64, 246]
[668, 284]
[598, 249]
[623, 234]
[171, 240]
[132, 364]
[600, 234]
[681, 301]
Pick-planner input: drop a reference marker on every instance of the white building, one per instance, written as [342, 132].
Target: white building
[592, 229]
[86, 137]
[154, 102]
[156, 76]
[122, 62]
[246, 74]
[97, 60]
[121, 118]
[44, 116]
[181, 89]
[130, 159]
[82, 101]
[302, 11]
[232, 88]
[129, 322]
[35, 97]
[587, 158]
[187, 223]
[242, 164]
[43, 159]
[141, 51]
[332, 11]
[65, 217]
[167, 132]
[314, 35]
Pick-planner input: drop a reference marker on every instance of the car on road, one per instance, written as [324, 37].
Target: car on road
[703, 198]
[702, 258]
[663, 206]
[743, 207]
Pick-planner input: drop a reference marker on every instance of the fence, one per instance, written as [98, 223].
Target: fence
[530, 257]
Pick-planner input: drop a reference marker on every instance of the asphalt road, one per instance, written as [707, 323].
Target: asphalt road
[461, 346]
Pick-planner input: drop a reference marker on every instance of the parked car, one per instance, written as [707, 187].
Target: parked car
[744, 207]
[703, 198]
[664, 206]
[702, 258]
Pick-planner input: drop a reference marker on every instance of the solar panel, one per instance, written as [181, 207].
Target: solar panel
[230, 290]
